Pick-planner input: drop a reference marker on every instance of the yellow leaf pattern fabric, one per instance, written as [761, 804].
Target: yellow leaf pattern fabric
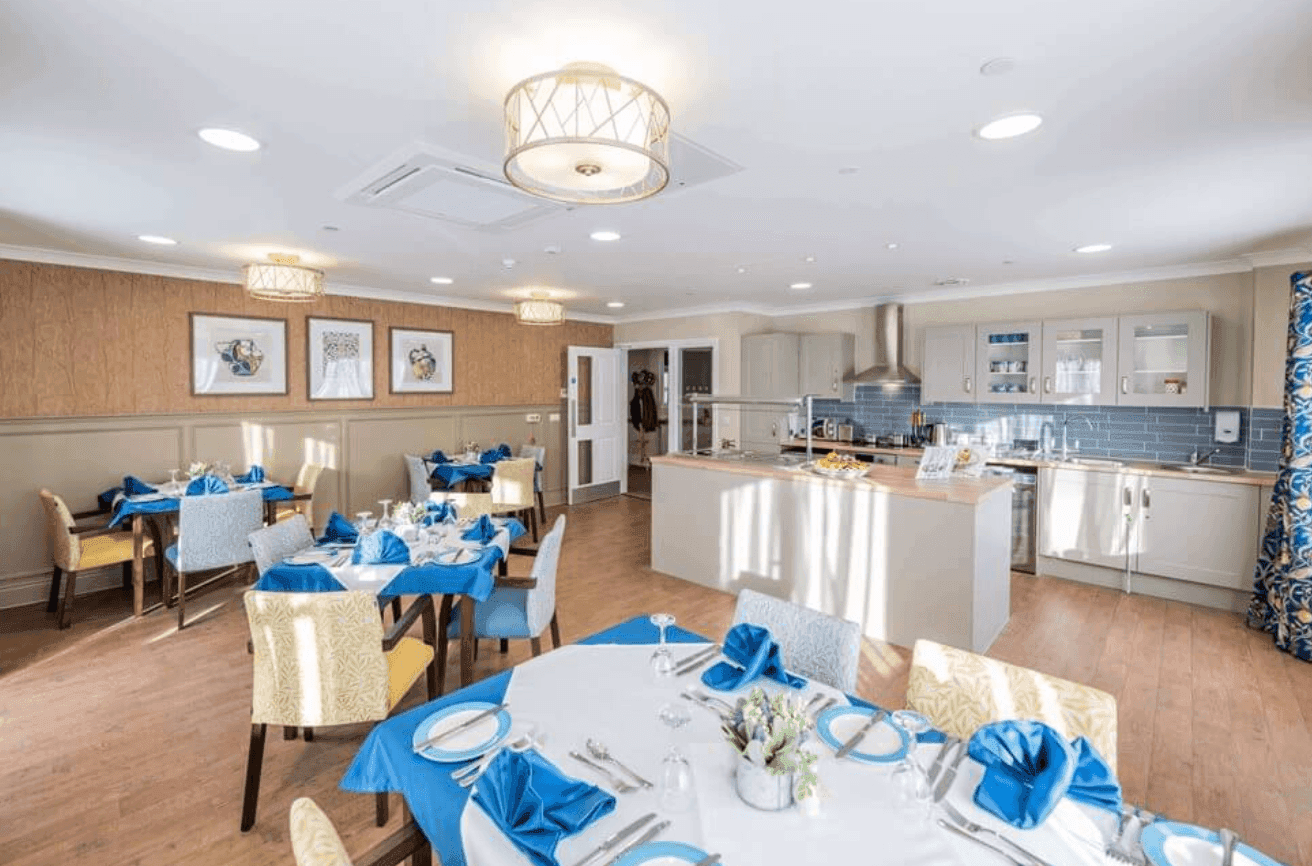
[314, 839]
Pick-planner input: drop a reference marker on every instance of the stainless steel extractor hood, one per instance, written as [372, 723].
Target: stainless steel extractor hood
[888, 368]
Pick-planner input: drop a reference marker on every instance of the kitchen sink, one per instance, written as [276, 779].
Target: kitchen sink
[1193, 469]
[1094, 461]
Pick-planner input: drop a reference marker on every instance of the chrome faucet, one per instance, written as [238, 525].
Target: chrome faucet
[1199, 459]
[1065, 422]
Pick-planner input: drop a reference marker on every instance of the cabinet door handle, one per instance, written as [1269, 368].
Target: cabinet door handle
[774, 429]
[1047, 384]
[1125, 384]
[1033, 384]
[1146, 499]
[1127, 498]
[966, 385]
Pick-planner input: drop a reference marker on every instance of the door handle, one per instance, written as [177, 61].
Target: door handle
[774, 430]
[966, 385]
[1145, 499]
[1047, 384]
[1125, 384]
[1127, 498]
[1033, 383]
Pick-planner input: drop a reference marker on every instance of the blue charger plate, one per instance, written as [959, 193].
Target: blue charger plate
[823, 730]
[1156, 835]
[451, 756]
[657, 850]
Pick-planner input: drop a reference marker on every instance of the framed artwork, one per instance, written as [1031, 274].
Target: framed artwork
[238, 355]
[339, 354]
[421, 361]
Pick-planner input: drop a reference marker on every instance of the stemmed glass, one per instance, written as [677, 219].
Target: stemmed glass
[910, 781]
[385, 514]
[362, 522]
[676, 794]
[662, 660]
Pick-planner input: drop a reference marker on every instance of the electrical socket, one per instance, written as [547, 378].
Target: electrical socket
[533, 418]
[553, 417]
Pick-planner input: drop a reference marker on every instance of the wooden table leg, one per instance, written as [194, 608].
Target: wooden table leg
[466, 641]
[443, 623]
[430, 638]
[138, 566]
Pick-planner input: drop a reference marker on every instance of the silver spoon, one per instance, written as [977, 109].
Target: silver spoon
[601, 753]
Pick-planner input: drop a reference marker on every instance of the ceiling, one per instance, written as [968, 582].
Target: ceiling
[1179, 131]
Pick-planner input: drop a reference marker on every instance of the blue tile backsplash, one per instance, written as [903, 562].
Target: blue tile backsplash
[1127, 432]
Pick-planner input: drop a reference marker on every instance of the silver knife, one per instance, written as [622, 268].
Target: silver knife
[945, 781]
[641, 840]
[463, 726]
[709, 861]
[860, 735]
[615, 838]
[932, 773]
[696, 660]
[996, 849]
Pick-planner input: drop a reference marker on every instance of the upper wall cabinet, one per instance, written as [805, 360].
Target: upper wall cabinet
[826, 360]
[947, 373]
[1079, 362]
[769, 366]
[1163, 359]
[1007, 362]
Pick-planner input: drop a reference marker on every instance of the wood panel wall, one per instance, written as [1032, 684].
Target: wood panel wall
[86, 342]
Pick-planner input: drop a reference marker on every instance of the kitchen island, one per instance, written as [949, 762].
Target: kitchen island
[904, 558]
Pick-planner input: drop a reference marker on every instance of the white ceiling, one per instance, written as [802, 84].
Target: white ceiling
[1178, 130]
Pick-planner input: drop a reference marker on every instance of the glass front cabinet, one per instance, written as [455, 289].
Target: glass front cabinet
[1163, 359]
[1079, 362]
[1007, 362]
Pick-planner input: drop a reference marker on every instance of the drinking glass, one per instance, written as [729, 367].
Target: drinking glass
[173, 476]
[909, 780]
[662, 660]
[676, 788]
[362, 522]
[385, 514]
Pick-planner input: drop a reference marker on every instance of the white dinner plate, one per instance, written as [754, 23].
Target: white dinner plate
[459, 556]
[148, 497]
[317, 557]
[662, 854]
[1170, 843]
[470, 743]
[884, 743]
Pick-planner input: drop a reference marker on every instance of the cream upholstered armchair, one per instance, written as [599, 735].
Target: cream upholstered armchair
[315, 842]
[321, 658]
[467, 505]
[813, 644]
[307, 479]
[512, 490]
[960, 691]
[539, 455]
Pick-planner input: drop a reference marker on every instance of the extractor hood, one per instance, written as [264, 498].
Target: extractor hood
[888, 369]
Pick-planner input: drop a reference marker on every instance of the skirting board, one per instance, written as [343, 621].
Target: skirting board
[1218, 597]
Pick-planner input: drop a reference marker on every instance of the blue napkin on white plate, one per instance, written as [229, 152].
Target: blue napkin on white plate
[438, 457]
[206, 484]
[754, 653]
[339, 529]
[286, 577]
[438, 512]
[254, 475]
[483, 530]
[381, 548]
[535, 805]
[494, 455]
[1029, 767]
[134, 486]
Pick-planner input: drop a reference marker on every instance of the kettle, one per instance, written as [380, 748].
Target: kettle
[938, 434]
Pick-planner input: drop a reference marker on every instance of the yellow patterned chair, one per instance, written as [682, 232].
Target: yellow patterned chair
[76, 548]
[512, 491]
[315, 842]
[960, 691]
[306, 480]
[468, 505]
[321, 658]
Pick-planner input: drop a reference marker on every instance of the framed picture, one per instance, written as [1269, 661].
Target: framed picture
[231, 355]
[421, 361]
[339, 354]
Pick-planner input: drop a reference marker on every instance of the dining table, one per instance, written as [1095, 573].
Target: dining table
[461, 473]
[602, 688]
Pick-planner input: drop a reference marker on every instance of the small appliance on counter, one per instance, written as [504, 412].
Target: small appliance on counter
[846, 433]
[824, 428]
[939, 434]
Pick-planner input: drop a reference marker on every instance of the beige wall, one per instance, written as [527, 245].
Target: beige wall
[1271, 328]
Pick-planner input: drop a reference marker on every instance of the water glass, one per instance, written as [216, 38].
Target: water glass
[362, 522]
[676, 788]
[662, 660]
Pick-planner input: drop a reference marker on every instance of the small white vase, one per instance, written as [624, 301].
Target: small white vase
[762, 789]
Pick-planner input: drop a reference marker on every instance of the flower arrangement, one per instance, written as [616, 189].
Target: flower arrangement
[769, 733]
[199, 468]
[407, 512]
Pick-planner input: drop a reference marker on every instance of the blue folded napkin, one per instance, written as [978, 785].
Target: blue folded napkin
[285, 577]
[206, 484]
[535, 805]
[483, 531]
[134, 486]
[254, 475]
[438, 457]
[493, 455]
[381, 548]
[754, 653]
[1029, 767]
[339, 529]
[438, 512]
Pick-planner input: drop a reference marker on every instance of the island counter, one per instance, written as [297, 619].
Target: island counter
[906, 559]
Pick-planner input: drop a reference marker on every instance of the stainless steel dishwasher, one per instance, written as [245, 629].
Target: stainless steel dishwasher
[1024, 504]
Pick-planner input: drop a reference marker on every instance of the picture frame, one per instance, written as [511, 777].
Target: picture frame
[339, 358]
[421, 361]
[237, 355]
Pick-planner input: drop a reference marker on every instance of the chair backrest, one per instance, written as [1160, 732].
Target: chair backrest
[314, 838]
[468, 505]
[814, 644]
[512, 484]
[417, 470]
[960, 691]
[318, 658]
[212, 529]
[541, 600]
[272, 544]
[307, 480]
[539, 455]
[65, 549]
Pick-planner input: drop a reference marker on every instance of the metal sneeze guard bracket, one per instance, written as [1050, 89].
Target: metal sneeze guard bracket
[806, 401]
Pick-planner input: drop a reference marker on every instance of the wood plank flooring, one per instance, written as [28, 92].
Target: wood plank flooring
[124, 742]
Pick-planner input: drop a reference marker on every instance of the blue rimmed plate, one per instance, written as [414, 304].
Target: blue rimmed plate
[883, 743]
[662, 854]
[1170, 843]
[469, 743]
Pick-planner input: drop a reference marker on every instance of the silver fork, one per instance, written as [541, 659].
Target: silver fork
[979, 829]
[619, 784]
[1116, 848]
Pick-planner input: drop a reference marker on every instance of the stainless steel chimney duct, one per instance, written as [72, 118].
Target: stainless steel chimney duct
[888, 368]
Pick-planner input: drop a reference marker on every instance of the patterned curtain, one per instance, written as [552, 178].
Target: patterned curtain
[1282, 582]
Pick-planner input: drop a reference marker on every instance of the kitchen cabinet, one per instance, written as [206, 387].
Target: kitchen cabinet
[770, 370]
[1087, 516]
[825, 361]
[1203, 531]
[1163, 359]
[1079, 361]
[947, 373]
[1007, 362]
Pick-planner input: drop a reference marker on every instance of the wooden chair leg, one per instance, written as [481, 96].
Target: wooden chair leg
[505, 646]
[65, 614]
[254, 762]
[55, 580]
[309, 734]
[127, 575]
[396, 609]
[475, 649]
[380, 809]
[430, 638]
[289, 733]
[555, 631]
[536, 644]
[443, 624]
[542, 508]
[182, 599]
[533, 522]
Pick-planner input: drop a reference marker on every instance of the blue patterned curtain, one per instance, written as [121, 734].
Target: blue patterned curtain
[1282, 583]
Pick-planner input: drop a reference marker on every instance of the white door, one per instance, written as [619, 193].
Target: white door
[596, 441]
[947, 365]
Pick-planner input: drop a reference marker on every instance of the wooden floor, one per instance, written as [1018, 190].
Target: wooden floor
[123, 742]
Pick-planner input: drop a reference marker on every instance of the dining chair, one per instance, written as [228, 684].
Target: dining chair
[307, 479]
[467, 505]
[315, 842]
[814, 644]
[322, 659]
[519, 607]
[539, 455]
[416, 469]
[75, 548]
[272, 544]
[960, 691]
[512, 491]
[212, 532]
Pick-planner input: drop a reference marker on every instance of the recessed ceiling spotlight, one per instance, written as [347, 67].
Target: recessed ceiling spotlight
[330, 228]
[229, 139]
[998, 66]
[552, 249]
[1009, 127]
[742, 269]
[848, 169]
[1009, 261]
[615, 305]
[890, 246]
[157, 239]
[605, 236]
[1093, 248]
[809, 259]
[800, 286]
[952, 281]
[441, 281]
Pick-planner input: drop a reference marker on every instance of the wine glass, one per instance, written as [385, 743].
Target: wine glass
[910, 781]
[676, 788]
[662, 660]
[362, 522]
[385, 514]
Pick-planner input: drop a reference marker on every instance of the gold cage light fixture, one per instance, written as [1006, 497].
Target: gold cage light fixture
[586, 135]
[539, 309]
[283, 278]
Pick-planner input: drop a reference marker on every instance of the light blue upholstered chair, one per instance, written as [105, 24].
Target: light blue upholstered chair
[539, 455]
[212, 532]
[519, 607]
[814, 644]
[272, 544]
[417, 470]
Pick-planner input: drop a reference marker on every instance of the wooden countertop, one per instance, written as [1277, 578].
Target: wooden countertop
[885, 479]
[1247, 476]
